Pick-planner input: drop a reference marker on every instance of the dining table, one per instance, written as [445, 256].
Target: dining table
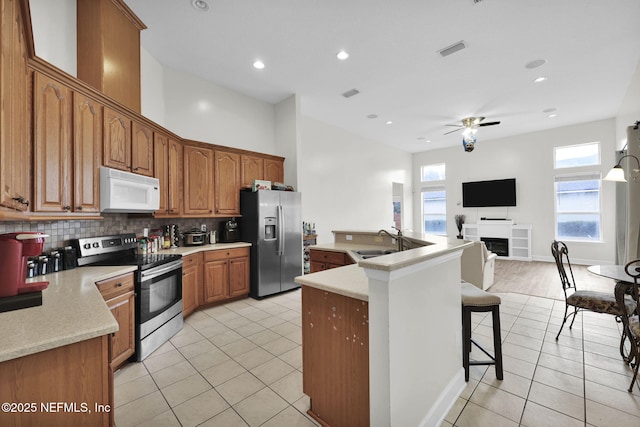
[624, 286]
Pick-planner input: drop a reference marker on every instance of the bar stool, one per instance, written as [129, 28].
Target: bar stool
[477, 300]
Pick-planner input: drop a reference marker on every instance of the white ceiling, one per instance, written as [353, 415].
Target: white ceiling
[592, 48]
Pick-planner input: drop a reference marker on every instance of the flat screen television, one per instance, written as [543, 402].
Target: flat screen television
[479, 194]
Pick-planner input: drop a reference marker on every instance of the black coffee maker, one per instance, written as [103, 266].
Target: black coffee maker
[229, 231]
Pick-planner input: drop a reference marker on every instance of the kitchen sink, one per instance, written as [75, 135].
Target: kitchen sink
[372, 253]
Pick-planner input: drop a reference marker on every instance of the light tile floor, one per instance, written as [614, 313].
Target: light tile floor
[241, 364]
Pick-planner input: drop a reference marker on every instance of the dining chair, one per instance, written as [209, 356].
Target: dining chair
[598, 302]
[633, 269]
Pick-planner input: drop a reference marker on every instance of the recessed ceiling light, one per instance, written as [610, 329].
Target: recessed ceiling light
[535, 63]
[258, 65]
[389, 122]
[372, 116]
[200, 5]
[342, 55]
[541, 79]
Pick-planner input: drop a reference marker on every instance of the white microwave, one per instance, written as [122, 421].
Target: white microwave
[128, 192]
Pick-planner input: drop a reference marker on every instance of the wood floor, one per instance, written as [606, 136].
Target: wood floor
[542, 279]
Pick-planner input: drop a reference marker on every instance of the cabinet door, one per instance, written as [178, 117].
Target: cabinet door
[216, 281]
[198, 177]
[190, 281]
[15, 146]
[122, 342]
[274, 170]
[251, 168]
[238, 276]
[87, 146]
[52, 145]
[141, 149]
[227, 183]
[117, 140]
[174, 202]
[161, 169]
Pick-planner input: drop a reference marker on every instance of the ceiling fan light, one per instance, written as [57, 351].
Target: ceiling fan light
[616, 174]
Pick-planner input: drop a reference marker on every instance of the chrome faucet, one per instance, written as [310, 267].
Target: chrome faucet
[403, 242]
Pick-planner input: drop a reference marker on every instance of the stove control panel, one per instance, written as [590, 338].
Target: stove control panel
[105, 244]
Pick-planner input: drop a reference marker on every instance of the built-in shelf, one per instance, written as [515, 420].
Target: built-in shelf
[518, 237]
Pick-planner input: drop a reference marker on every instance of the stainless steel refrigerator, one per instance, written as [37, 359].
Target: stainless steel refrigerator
[272, 222]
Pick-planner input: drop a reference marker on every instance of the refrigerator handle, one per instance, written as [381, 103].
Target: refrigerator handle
[280, 231]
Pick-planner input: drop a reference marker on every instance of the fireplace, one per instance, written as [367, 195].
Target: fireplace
[498, 246]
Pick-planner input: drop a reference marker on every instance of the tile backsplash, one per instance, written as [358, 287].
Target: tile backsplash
[61, 232]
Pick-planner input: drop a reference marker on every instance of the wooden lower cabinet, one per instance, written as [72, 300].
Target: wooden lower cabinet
[191, 282]
[335, 356]
[324, 260]
[77, 374]
[226, 274]
[119, 294]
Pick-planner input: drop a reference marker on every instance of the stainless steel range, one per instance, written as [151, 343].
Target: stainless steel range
[158, 286]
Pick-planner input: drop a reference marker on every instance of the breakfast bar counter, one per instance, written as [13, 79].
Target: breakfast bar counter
[381, 339]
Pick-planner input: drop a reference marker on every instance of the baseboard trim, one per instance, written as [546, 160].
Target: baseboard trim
[445, 401]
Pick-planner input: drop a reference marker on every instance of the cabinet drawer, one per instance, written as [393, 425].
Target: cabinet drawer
[222, 254]
[327, 256]
[115, 286]
[189, 260]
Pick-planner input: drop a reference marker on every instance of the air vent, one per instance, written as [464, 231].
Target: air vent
[452, 49]
[350, 93]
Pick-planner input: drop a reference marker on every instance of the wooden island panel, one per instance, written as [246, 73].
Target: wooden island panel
[335, 357]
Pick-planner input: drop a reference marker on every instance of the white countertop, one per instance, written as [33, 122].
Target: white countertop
[189, 250]
[72, 309]
[351, 280]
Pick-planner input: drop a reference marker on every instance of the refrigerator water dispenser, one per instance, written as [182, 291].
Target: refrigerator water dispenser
[270, 228]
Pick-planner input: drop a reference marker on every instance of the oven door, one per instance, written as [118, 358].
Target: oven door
[160, 289]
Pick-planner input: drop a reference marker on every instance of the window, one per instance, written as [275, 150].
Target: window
[571, 156]
[434, 199]
[434, 210]
[432, 172]
[578, 207]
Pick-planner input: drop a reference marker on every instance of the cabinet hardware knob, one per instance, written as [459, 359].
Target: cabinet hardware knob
[79, 208]
[135, 169]
[67, 208]
[210, 211]
[25, 202]
[118, 285]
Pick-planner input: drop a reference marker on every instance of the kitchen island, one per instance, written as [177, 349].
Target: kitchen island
[382, 339]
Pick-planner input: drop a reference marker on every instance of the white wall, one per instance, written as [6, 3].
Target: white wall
[346, 180]
[529, 159]
[54, 32]
[202, 111]
[287, 113]
[152, 88]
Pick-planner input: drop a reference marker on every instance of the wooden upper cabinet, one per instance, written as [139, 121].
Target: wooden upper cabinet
[174, 202]
[227, 183]
[141, 149]
[198, 181]
[161, 168]
[167, 166]
[87, 146]
[251, 168]
[117, 140]
[15, 149]
[52, 145]
[108, 46]
[274, 170]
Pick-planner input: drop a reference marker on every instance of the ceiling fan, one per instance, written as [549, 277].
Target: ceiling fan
[470, 126]
[472, 123]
